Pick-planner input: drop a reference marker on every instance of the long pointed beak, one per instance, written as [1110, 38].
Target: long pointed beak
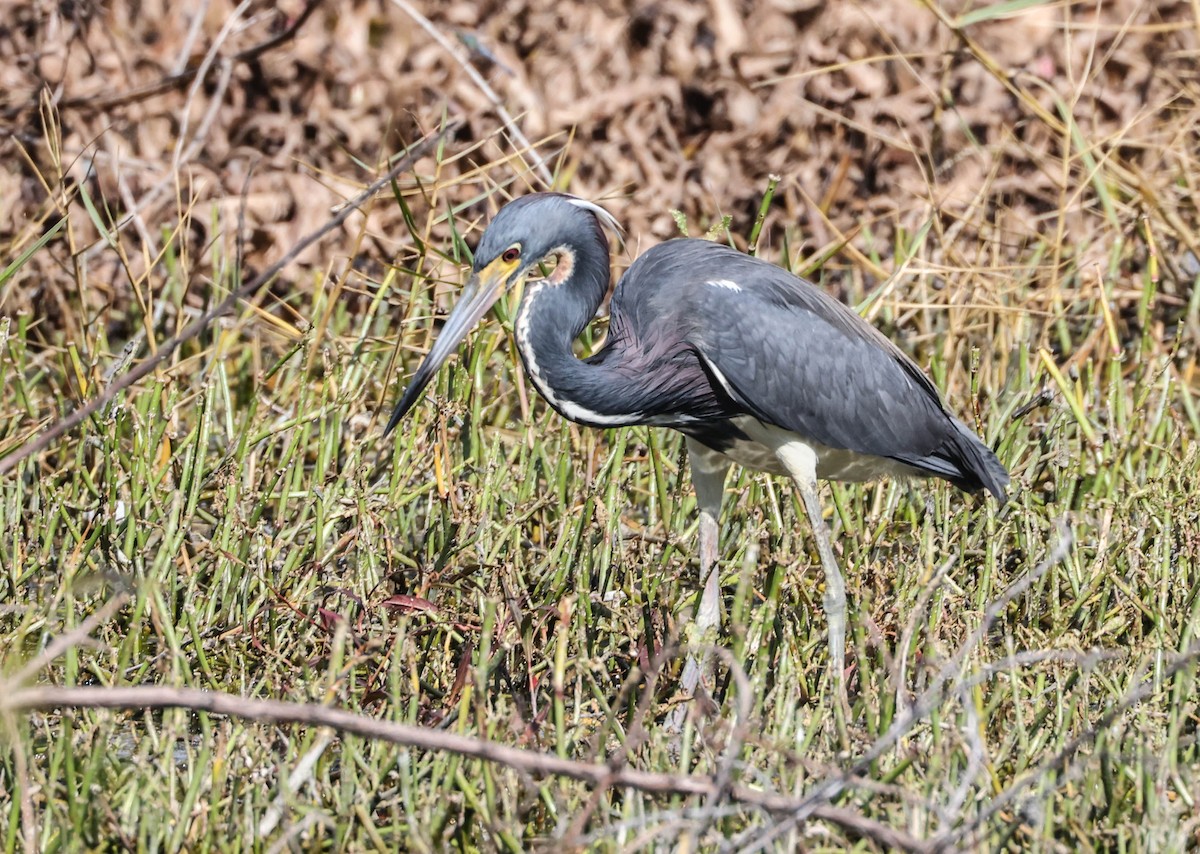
[480, 293]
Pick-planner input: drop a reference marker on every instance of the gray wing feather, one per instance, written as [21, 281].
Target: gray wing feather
[789, 353]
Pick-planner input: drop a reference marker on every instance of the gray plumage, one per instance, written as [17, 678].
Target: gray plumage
[791, 356]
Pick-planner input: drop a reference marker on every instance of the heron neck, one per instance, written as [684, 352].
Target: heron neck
[552, 315]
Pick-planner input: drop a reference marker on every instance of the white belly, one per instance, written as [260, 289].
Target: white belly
[761, 453]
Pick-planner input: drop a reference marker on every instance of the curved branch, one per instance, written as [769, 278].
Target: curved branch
[528, 761]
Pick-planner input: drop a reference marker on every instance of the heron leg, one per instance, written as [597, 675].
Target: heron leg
[708, 477]
[801, 463]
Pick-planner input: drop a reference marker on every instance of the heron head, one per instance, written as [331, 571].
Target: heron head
[524, 233]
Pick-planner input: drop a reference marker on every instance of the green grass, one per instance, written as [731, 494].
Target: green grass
[496, 571]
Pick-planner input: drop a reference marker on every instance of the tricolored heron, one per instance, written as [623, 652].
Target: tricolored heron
[752, 364]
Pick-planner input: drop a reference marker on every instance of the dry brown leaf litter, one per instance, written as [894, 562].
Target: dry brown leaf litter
[874, 114]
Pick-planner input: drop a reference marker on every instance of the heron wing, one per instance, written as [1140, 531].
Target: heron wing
[790, 354]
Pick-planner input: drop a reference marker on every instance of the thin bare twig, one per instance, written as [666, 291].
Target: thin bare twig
[634, 735]
[70, 422]
[539, 165]
[933, 694]
[423, 738]
[300, 775]
[714, 807]
[950, 814]
[189, 41]
[67, 641]
[194, 144]
[910, 629]
[967, 835]
[824, 792]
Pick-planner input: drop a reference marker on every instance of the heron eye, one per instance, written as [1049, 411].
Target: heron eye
[511, 254]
